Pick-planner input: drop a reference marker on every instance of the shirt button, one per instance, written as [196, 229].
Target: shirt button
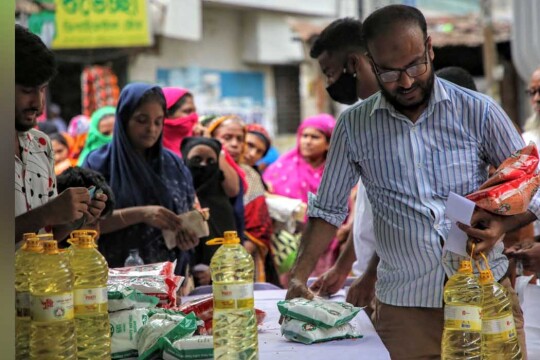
[436, 226]
[419, 165]
[413, 128]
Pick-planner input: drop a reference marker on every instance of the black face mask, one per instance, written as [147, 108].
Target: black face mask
[343, 90]
[203, 174]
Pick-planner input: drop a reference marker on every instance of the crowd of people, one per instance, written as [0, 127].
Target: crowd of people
[375, 181]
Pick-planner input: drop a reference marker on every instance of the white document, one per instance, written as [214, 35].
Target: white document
[458, 209]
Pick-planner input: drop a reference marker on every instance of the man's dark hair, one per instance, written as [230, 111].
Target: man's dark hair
[383, 19]
[458, 76]
[83, 177]
[341, 35]
[34, 63]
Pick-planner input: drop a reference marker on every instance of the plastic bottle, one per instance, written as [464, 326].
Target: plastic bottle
[462, 335]
[75, 234]
[133, 259]
[234, 324]
[52, 333]
[499, 336]
[24, 263]
[90, 300]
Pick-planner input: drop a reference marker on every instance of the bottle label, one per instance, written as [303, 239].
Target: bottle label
[52, 308]
[90, 301]
[22, 303]
[502, 329]
[462, 317]
[233, 296]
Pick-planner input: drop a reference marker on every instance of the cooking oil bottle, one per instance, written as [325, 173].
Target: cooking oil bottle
[75, 234]
[234, 323]
[462, 335]
[52, 334]
[90, 299]
[24, 263]
[499, 336]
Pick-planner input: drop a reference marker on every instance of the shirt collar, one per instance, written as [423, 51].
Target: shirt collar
[438, 94]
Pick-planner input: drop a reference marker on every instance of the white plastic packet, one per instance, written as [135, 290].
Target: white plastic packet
[124, 326]
[123, 297]
[306, 333]
[196, 347]
[320, 312]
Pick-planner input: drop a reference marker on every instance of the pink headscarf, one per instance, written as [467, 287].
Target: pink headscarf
[291, 175]
[174, 130]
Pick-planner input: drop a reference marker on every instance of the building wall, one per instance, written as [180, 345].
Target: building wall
[220, 48]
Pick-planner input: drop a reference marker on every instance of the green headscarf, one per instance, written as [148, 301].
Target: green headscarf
[95, 138]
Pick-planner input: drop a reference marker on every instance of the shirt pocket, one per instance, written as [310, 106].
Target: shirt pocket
[454, 171]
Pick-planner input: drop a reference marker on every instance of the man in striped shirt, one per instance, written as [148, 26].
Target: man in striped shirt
[412, 143]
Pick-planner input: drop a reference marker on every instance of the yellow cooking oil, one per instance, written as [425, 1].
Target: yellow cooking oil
[52, 334]
[90, 299]
[234, 324]
[24, 263]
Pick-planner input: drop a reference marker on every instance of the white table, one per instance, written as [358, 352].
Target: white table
[531, 314]
[273, 346]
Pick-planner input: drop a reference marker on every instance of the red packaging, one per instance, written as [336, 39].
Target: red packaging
[153, 279]
[202, 307]
[509, 198]
[522, 162]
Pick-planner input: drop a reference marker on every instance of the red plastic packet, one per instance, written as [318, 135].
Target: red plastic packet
[521, 163]
[509, 198]
[154, 279]
[202, 307]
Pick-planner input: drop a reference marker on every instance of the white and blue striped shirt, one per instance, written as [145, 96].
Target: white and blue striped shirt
[408, 170]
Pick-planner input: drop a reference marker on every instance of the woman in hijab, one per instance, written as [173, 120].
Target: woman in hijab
[151, 184]
[78, 130]
[299, 172]
[62, 144]
[201, 156]
[231, 132]
[258, 143]
[180, 119]
[100, 131]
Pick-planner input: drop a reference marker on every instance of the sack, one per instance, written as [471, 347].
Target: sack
[320, 312]
[306, 333]
[284, 248]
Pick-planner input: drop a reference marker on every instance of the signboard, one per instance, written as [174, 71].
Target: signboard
[221, 92]
[101, 24]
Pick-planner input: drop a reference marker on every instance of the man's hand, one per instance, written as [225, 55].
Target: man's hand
[528, 254]
[330, 282]
[486, 230]
[297, 289]
[362, 290]
[97, 205]
[69, 206]
[186, 239]
[161, 218]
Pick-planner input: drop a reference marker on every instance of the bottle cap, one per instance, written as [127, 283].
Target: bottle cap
[77, 233]
[46, 236]
[465, 267]
[27, 236]
[229, 238]
[486, 277]
[50, 247]
[33, 244]
[86, 242]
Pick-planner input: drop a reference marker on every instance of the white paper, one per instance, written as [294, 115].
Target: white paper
[458, 209]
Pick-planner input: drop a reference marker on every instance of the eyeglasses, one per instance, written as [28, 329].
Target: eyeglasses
[532, 92]
[395, 74]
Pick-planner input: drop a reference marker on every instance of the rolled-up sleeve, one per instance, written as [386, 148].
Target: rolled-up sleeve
[340, 175]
